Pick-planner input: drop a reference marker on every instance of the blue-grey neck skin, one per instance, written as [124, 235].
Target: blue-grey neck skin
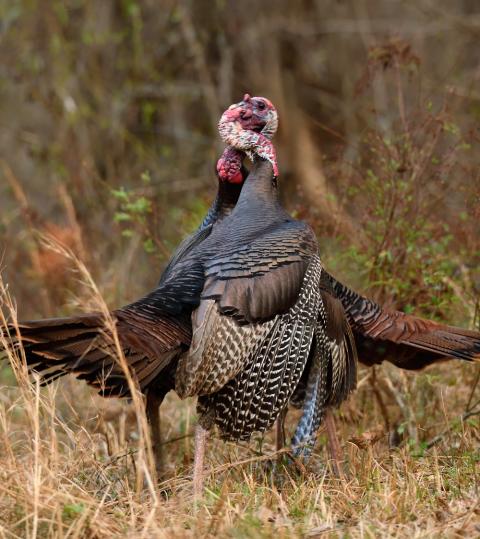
[259, 193]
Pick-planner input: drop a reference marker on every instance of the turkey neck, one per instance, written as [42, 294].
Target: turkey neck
[225, 201]
[259, 195]
[227, 197]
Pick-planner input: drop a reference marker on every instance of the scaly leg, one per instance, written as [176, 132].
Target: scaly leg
[201, 436]
[280, 429]
[334, 447]
[153, 417]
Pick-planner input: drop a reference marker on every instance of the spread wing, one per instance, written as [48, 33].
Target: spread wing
[152, 331]
[407, 341]
[83, 346]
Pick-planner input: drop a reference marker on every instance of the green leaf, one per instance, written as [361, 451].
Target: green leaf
[120, 194]
[121, 216]
[140, 206]
[149, 246]
[72, 510]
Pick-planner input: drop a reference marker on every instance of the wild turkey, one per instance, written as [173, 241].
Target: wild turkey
[242, 388]
[155, 330]
[256, 275]
[262, 314]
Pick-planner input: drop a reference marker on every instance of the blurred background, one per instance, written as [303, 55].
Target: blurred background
[108, 139]
[108, 144]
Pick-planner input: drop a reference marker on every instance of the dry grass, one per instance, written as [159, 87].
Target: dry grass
[75, 465]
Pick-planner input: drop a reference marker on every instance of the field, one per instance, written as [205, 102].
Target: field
[76, 465]
[108, 139]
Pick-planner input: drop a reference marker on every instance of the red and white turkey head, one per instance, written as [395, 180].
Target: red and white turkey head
[249, 125]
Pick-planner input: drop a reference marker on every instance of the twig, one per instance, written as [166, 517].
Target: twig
[200, 61]
[378, 396]
[472, 392]
[131, 452]
[440, 436]
[404, 407]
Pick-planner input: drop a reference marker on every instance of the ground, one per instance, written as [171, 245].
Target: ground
[73, 464]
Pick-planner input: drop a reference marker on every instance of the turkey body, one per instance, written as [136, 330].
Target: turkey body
[153, 340]
[261, 295]
[254, 273]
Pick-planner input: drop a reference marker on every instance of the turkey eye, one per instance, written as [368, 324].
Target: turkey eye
[261, 105]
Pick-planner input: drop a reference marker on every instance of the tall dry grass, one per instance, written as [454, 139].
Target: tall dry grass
[75, 465]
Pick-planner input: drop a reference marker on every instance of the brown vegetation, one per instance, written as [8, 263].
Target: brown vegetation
[108, 116]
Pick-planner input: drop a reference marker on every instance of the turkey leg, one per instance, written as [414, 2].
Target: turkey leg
[201, 436]
[334, 447]
[280, 430]
[153, 417]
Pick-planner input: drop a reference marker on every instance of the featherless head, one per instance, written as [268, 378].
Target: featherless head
[247, 127]
[251, 114]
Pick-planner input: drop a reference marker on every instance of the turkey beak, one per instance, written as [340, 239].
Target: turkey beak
[246, 114]
[239, 105]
